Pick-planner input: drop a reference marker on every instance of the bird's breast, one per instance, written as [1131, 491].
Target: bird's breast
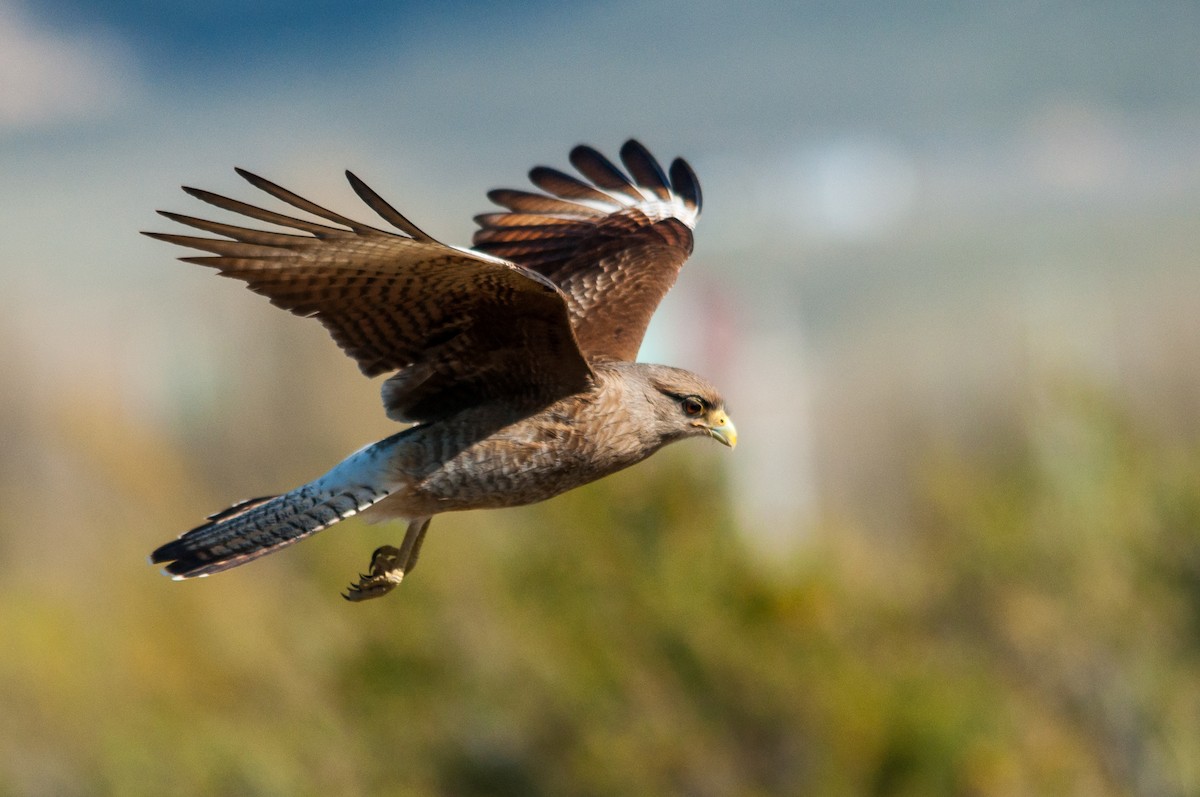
[528, 461]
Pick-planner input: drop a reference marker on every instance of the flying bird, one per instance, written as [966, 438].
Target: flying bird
[514, 361]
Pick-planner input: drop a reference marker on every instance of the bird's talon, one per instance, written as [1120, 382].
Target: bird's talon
[386, 574]
[369, 588]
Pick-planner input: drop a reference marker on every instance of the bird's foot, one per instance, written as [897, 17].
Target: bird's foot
[388, 566]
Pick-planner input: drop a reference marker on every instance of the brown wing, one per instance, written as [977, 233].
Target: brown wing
[614, 243]
[462, 328]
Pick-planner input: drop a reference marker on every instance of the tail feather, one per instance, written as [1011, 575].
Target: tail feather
[259, 526]
[241, 506]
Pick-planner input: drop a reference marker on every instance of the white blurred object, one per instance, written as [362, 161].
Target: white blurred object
[48, 77]
[852, 187]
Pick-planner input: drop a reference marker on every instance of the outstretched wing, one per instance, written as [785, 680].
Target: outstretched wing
[613, 242]
[462, 328]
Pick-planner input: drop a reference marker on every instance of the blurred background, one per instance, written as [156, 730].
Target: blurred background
[946, 277]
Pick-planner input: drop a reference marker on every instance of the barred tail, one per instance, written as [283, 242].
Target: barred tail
[257, 527]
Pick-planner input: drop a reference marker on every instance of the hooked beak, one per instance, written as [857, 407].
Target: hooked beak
[719, 427]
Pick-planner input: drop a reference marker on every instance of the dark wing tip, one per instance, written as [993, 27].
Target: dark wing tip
[602, 172]
[565, 186]
[386, 212]
[160, 236]
[645, 169]
[261, 183]
[199, 193]
[686, 184]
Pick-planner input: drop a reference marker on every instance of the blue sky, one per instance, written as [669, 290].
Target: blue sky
[458, 95]
[757, 70]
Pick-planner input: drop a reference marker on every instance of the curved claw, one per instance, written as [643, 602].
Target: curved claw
[365, 590]
[389, 565]
[387, 571]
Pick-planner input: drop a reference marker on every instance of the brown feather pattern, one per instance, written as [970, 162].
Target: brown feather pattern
[477, 330]
[614, 245]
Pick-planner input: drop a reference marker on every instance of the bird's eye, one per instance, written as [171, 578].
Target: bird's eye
[693, 406]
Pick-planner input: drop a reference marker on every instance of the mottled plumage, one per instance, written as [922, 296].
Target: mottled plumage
[515, 361]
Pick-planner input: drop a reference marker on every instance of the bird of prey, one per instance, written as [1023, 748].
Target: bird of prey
[514, 361]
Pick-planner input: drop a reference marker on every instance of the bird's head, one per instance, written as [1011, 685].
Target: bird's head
[686, 405]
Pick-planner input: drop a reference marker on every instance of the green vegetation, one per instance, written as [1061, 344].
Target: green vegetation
[1030, 626]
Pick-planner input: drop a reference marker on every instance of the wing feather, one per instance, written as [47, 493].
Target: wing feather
[613, 244]
[264, 237]
[565, 186]
[645, 169]
[528, 202]
[385, 210]
[601, 171]
[496, 220]
[460, 329]
[297, 201]
[686, 186]
[269, 216]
